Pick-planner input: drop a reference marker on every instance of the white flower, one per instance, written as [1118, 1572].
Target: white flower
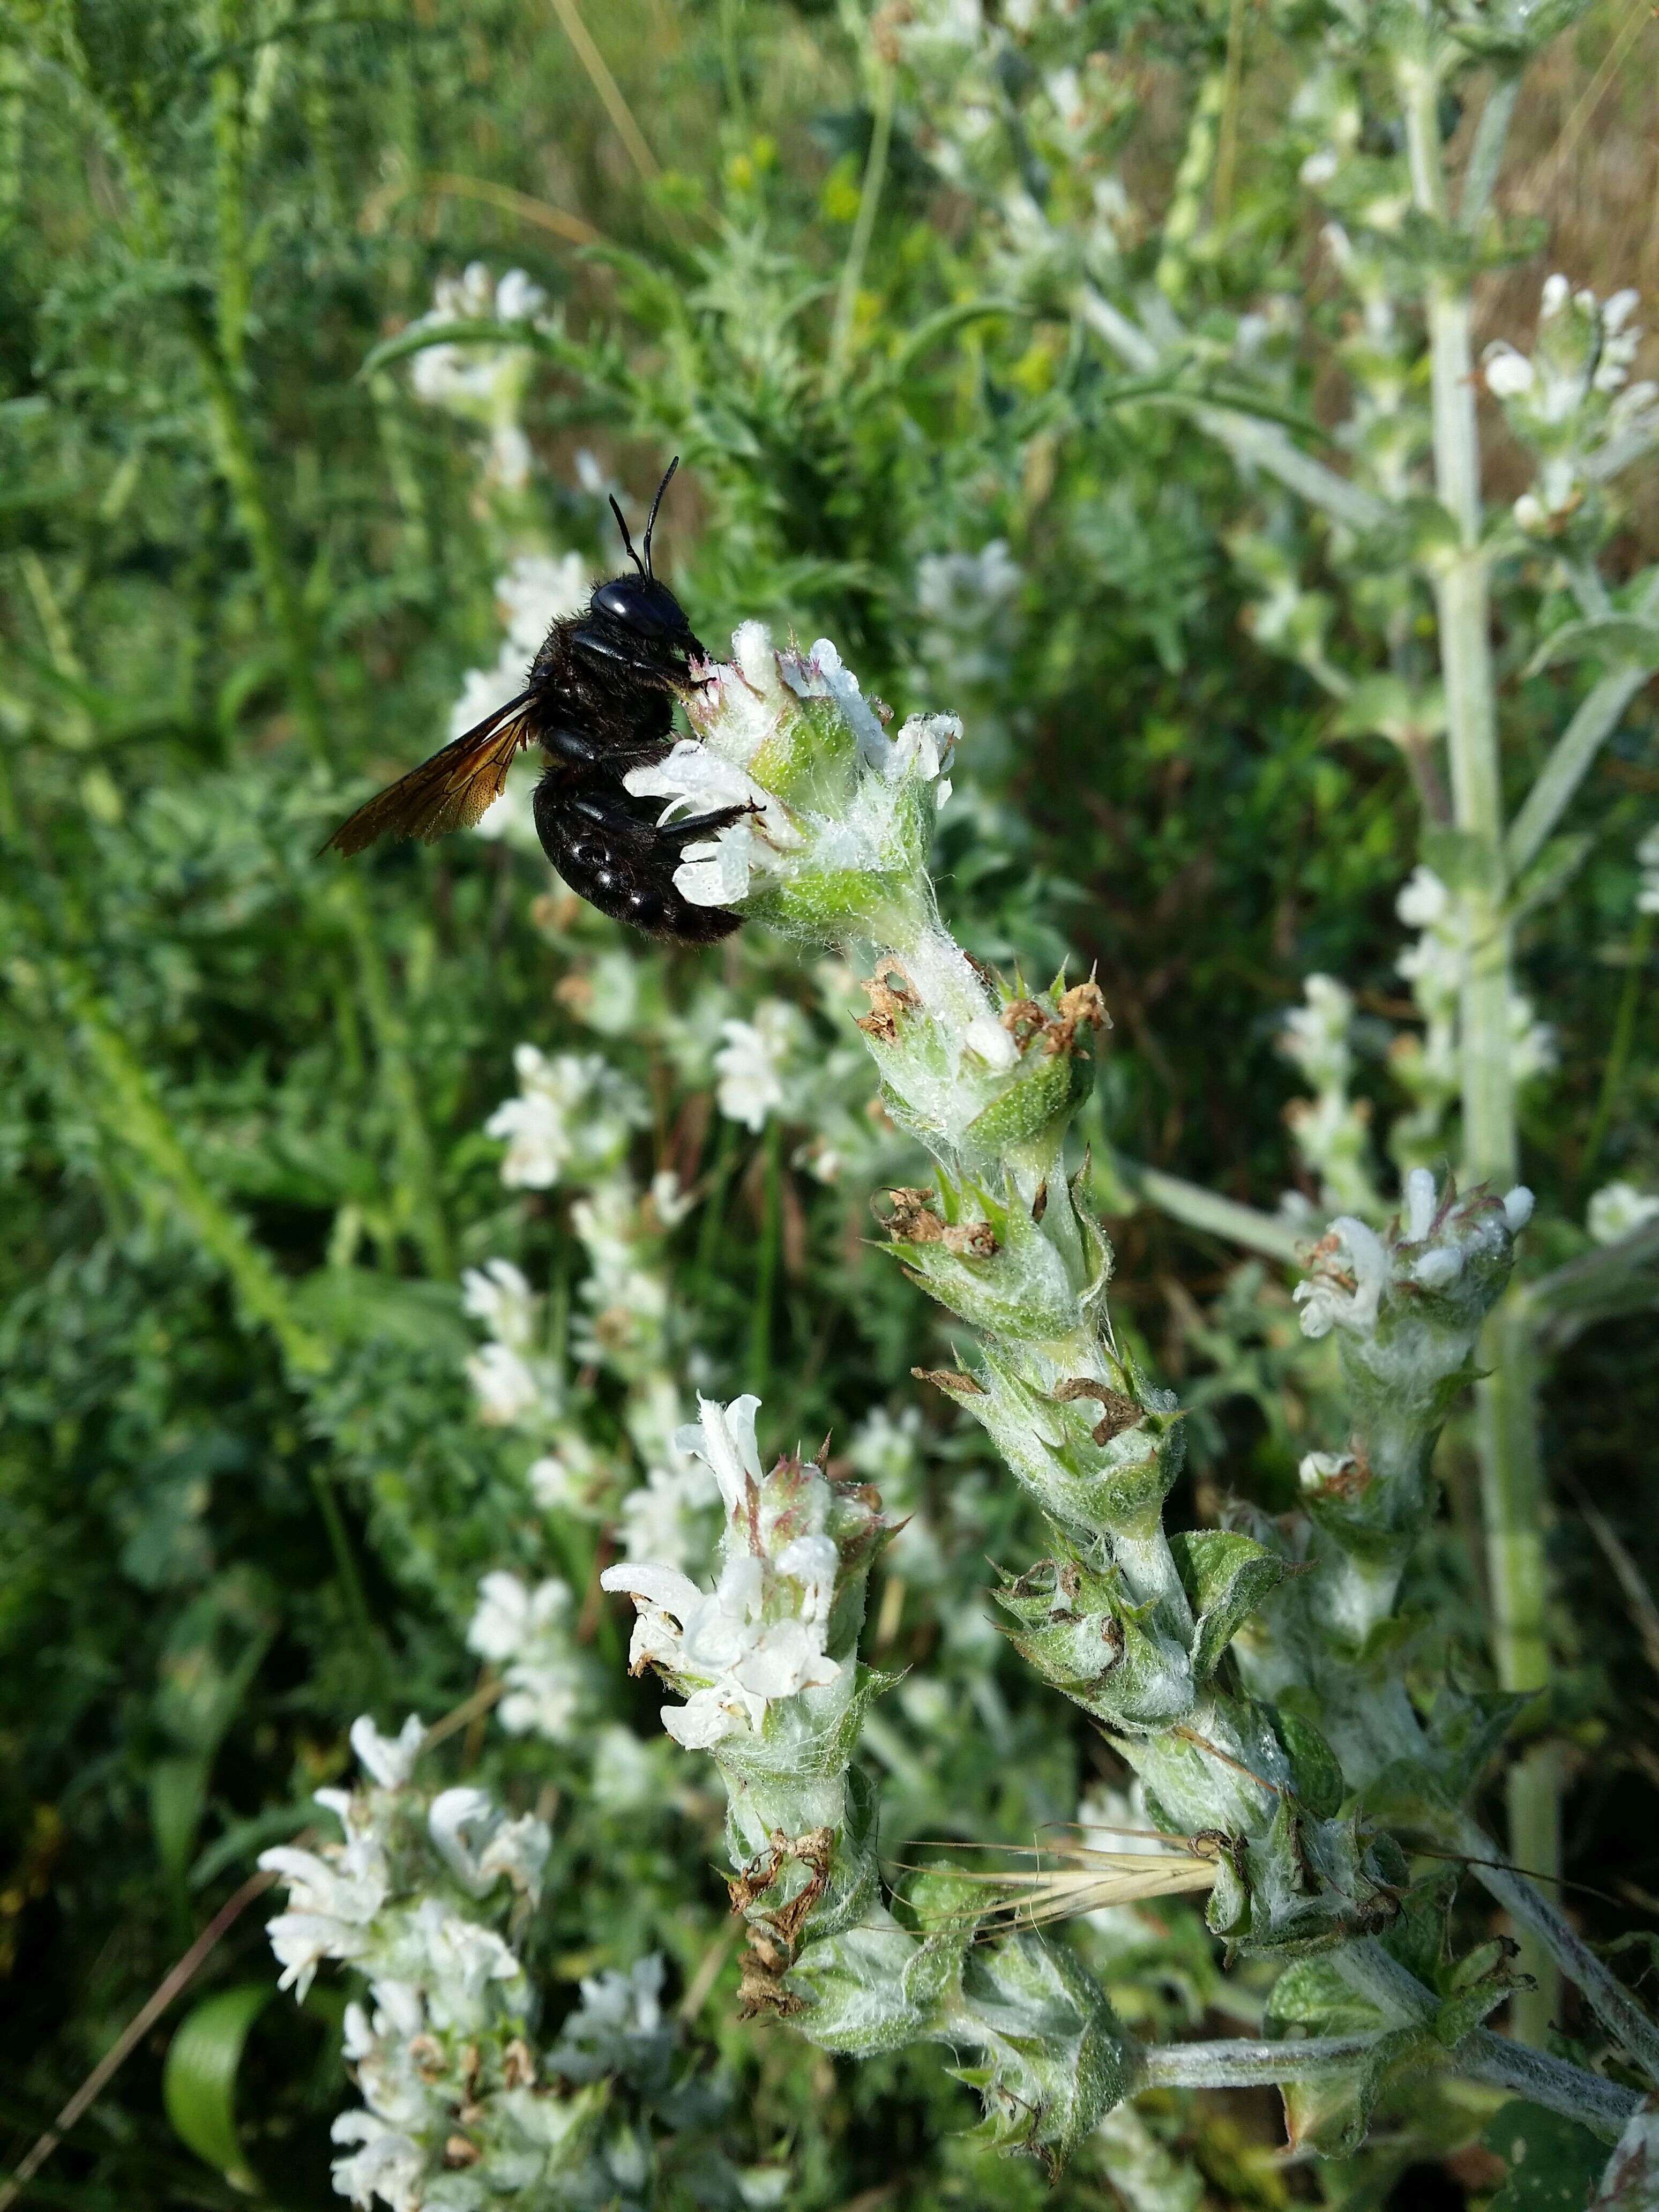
[571, 1479]
[1508, 374]
[1317, 1034]
[1316, 1470]
[988, 1040]
[1423, 901]
[574, 1112]
[886, 1451]
[618, 2004]
[667, 1516]
[460, 1961]
[479, 1844]
[1647, 859]
[334, 1900]
[924, 747]
[626, 1774]
[718, 870]
[723, 1438]
[528, 1632]
[483, 690]
[670, 1201]
[389, 2164]
[1346, 1288]
[759, 1635]
[499, 1294]
[1619, 1209]
[750, 1065]
[389, 1759]
[507, 1386]
[539, 590]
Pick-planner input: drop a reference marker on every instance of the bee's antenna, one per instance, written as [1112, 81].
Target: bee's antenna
[627, 540]
[655, 504]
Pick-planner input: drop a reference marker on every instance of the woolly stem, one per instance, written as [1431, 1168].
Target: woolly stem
[1510, 1482]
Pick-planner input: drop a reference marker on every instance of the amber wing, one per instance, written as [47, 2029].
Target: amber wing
[450, 791]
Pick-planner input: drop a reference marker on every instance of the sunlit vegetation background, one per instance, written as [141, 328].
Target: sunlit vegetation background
[243, 1494]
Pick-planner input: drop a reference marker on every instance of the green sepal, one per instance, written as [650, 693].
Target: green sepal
[1056, 2057]
[1328, 2112]
[1314, 1768]
[1226, 1576]
[1481, 1981]
[1038, 1098]
[868, 1989]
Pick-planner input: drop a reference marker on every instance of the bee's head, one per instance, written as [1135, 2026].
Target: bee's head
[641, 604]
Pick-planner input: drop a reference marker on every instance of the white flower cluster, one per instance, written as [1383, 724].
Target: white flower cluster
[760, 1635]
[515, 1386]
[1354, 1268]
[754, 1062]
[1435, 967]
[738, 709]
[482, 383]
[1618, 1210]
[1331, 1129]
[572, 1118]
[967, 601]
[1570, 400]
[528, 1634]
[1647, 859]
[453, 2111]
[626, 1290]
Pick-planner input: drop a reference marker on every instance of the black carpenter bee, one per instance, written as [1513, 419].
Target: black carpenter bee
[600, 700]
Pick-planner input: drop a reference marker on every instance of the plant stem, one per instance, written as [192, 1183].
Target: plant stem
[864, 223]
[345, 1565]
[1246, 2062]
[766, 1275]
[1551, 2082]
[139, 1119]
[1510, 1477]
[1612, 2003]
[1624, 1033]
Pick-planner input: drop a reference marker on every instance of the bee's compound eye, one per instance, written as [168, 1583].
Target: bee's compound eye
[605, 879]
[644, 907]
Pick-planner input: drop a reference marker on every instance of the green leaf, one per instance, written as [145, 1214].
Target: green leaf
[354, 1305]
[1554, 2164]
[199, 2081]
[1226, 1576]
[1389, 707]
[178, 1795]
[1557, 863]
[1617, 638]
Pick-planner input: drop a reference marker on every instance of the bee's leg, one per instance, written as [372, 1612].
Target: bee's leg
[628, 816]
[572, 748]
[698, 825]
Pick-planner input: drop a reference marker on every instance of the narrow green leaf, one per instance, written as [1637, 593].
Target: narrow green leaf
[199, 2081]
